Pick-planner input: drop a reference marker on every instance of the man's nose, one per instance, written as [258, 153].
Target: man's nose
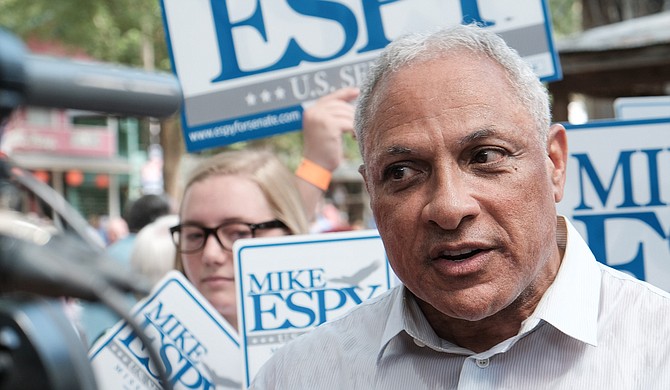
[451, 201]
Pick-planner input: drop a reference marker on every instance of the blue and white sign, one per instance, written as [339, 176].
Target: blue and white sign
[198, 348]
[642, 107]
[289, 285]
[246, 67]
[618, 194]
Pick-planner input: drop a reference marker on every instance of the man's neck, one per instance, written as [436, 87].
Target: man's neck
[482, 335]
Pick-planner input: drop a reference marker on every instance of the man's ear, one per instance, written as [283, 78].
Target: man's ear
[557, 150]
[363, 172]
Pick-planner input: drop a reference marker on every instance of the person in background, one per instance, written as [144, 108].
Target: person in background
[324, 123]
[116, 229]
[329, 219]
[251, 193]
[96, 318]
[153, 253]
[141, 212]
[499, 292]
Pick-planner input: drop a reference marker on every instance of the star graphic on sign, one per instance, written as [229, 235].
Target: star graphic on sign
[251, 99]
[280, 93]
[265, 96]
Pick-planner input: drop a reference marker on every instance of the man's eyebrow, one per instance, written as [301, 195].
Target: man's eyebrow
[479, 134]
[396, 150]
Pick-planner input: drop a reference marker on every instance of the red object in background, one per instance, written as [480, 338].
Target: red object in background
[74, 178]
[58, 136]
[42, 176]
[102, 181]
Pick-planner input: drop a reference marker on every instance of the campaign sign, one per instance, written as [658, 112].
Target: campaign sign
[618, 191]
[289, 285]
[642, 107]
[198, 348]
[247, 67]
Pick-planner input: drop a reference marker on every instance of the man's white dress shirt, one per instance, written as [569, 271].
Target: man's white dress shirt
[594, 328]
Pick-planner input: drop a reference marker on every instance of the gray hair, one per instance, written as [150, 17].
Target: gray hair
[424, 46]
[153, 252]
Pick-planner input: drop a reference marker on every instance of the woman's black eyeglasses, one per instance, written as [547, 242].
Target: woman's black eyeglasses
[190, 237]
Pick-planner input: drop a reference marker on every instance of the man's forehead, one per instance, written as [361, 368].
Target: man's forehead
[413, 145]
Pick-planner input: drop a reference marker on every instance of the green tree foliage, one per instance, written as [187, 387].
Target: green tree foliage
[566, 16]
[108, 30]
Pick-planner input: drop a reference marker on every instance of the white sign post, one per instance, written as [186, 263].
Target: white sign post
[618, 194]
[289, 285]
[247, 67]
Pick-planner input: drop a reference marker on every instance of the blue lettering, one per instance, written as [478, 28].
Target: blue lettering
[323, 308]
[373, 20]
[314, 304]
[293, 282]
[138, 349]
[259, 311]
[470, 11]
[177, 331]
[159, 332]
[230, 68]
[287, 280]
[291, 305]
[255, 287]
[179, 376]
[586, 167]
[315, 275]
[654, 188]
[294, 54]
[155, 314]
[595, 227]
[326, 10]
[188, 344]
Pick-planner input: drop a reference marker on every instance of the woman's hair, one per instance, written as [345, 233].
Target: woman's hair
[425, 46]
[275, 180]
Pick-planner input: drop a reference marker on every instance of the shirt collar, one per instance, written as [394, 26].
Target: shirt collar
[397, 318]
[406, 317]
[570, 304]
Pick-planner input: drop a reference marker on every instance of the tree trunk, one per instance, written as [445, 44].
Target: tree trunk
[173, 148]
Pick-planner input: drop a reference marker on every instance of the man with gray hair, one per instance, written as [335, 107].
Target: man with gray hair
[464, 170]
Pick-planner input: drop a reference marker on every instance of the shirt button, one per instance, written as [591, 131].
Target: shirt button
[482, 363]
[419, 343]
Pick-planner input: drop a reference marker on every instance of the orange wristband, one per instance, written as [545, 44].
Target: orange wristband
[314, 173]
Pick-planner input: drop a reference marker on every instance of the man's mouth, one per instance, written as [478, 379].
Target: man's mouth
[459, 256]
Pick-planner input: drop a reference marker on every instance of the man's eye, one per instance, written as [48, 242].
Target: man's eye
[398, 173]
[487, 156]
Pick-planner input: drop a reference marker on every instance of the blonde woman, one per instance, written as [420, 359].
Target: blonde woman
[250, 193]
